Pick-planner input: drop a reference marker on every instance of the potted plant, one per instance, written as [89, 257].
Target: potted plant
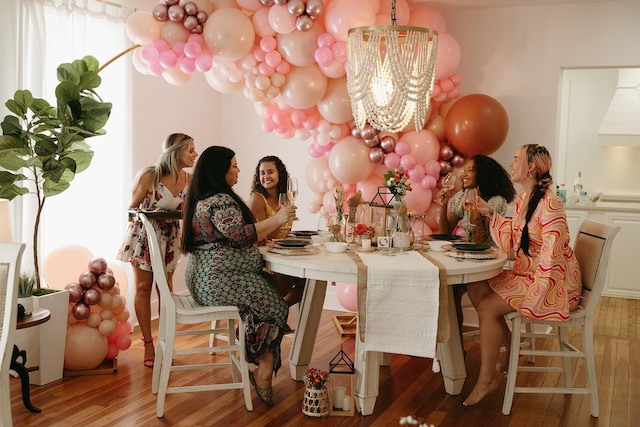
[26, 283]
[42, 148]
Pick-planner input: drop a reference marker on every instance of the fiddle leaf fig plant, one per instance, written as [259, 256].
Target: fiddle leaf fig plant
[43, 147]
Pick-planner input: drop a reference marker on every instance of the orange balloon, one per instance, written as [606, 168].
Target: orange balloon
[476, 124]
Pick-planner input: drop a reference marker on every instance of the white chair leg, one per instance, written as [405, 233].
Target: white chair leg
[165, 370]
[532, 342]
[244, 367]
[592, 383]
[513, 365]
[563, 337]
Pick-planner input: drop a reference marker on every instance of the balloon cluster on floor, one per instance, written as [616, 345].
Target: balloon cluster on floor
[97, 322]
[288, 57]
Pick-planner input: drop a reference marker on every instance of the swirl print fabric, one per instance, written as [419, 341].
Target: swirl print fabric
[546, 285]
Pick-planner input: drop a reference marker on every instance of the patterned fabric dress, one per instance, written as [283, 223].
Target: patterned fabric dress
[226, 269]
[546, 285]
[284, 232]
[135, 248]
[496, 204]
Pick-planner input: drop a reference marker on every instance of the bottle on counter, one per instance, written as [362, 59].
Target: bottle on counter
[562, 193]
[577, 189]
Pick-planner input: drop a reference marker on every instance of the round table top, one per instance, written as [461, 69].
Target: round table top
[34, 319]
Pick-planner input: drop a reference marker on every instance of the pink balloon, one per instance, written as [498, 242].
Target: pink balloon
[323, 56]
[347, 153]
[229, 34]
[423, 145]
[63, 265]
[123, 328]
[314, 174]
[305, 87]
[341, 15]
[280, 20]
[85, 348]
[123, 342]
[432, 167]
[142, 28]
[250, 5]
[427, 17]
[335, 106]
[418, 198]
[369, 186]
[392, 161]
[448, 56]
[428, 182]
[407, 161]
[112, 350]
[416, 173]
[348, 295]
[402, 148]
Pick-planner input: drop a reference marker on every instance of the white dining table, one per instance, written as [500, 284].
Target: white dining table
[322, 267]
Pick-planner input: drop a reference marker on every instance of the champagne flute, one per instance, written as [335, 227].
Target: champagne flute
[447, 183]
[390, 229]
[292, 190]
[348, 230]
[469, 203]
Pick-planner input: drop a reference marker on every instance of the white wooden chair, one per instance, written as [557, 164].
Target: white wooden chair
[182, 309]
[592, 248]
[10, 255]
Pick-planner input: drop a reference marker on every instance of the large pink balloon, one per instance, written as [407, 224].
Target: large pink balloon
[335, 107]
[305, 87]
[85, 348]
[299, 47]
[281, 20]
[427, 17]
[63, 265]
[341, 15]
[448, 56]
[347, 295]
[142, 28]
[229, 34]
[221, 83]
[314, 174]
[369, 186]
[349, 160]
[424, 145]
[174, 32]
[476, 124]
[418, 198]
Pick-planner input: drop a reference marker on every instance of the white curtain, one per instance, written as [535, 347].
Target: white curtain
[91, 212]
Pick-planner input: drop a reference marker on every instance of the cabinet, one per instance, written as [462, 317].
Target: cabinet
[623, 277]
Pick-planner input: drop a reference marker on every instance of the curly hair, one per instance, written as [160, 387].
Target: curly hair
[540, 157]
[283, 176]
[492, 179]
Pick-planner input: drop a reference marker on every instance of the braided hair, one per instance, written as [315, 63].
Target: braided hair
[540, 157]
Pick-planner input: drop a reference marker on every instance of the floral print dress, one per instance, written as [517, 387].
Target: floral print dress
[226, 268]
[546, 285]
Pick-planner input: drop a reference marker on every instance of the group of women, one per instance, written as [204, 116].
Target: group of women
[221, 234]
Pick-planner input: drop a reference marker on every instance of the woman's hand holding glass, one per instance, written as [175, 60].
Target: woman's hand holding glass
[469, 203]
[292, 191]
[448, 183]
[285, 211]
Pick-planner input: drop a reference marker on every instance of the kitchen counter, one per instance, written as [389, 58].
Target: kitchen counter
[606, 206]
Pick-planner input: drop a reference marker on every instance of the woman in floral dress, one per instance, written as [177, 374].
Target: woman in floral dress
[225, 266]
[545, 282]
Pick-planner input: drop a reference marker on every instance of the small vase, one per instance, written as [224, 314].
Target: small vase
[315, 402]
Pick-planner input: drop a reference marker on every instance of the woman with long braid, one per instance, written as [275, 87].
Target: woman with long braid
[545, 282]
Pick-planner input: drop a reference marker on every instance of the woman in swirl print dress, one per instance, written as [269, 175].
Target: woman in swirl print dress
[545, 282]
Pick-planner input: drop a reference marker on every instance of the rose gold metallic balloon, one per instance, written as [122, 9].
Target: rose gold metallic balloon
[91, 296]
[314, 8]
[376, 155]
[446, 152]
[267, 3]
[160, 12]
[372, 142]
[355, 132]
[457, 160]
[75, 291]
[445, 167]
[176, 13]
[81, 311]
[106, 281]
[368, 132]
[98, 265]
[190, 8]
[202, 16]
[295, 7]
[304, 23]
[387, 143]
[87, 280]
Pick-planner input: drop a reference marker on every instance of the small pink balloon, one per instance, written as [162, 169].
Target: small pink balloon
[392, 161]
[416, 173]
[432, 167]
[408, 161]
[87, 279]
[81, 311]
[428, 182]
[123, 328]
[402, 148]
[75, 292]
[112, 350]
[348, 295]
[123, 342]
[91, 296]
[107, 327]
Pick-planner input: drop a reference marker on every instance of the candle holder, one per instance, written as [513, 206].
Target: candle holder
[341, 385]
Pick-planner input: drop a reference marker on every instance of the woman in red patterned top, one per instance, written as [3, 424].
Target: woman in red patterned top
[545, 282]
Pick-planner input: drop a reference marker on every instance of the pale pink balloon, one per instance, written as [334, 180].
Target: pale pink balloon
[280, 20]
[408, 161]
[63, 265]
[124, 315]
[416, 173]
[204, 62]
[428, 182]
[448, 56]
[142, 28]
[208, 6]
[347, 294]
[418, 198]
[335, 107]
[314, 174]
[402, 147]
[305, 87]
[341, 15]
[176, 76]
[250, 5]
[107, 327]
[424, 145]
[220, 83]
[94, 320]
[298, 47]
[323, 56]
[261, 24]
[392, 161]
[138, 63]
[85, 348]
[427, 17]
[105, 299]
[229, 34]
[432, 167]
[335, 70]
[174, 32]
[369, 186]
[347, 153]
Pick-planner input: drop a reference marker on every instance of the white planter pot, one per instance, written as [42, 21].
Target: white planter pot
[45, 343]
[27, 303]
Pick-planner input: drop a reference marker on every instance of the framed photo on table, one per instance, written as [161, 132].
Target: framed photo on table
[383, 242]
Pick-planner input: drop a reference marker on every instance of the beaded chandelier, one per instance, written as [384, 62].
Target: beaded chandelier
[390, 74]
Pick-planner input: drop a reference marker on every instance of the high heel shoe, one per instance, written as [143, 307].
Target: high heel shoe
[148, 362]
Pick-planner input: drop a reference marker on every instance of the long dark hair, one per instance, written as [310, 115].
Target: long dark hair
[540, 157]
[492, 179]
[283, 176]
[209, 179]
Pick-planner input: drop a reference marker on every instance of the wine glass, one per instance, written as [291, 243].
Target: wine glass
[447, 183]
[348, 230]
[283, 200]
[292, 190]
[390, 228]
[469, 203]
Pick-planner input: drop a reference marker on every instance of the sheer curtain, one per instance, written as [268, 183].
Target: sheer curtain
[91, 212]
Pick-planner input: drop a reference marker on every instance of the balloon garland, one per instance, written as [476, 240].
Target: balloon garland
[289, 56]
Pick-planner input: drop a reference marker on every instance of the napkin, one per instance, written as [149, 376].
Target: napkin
[402, 303]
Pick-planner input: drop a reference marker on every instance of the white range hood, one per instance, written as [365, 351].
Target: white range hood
[621, 124]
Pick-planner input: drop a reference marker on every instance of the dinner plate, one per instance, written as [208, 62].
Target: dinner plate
[292, 243]
[472, 247]
[448, 237]
[304, 233]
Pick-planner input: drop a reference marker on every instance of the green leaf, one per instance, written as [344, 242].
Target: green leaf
[92, 63]
[89, 80]
[44, 145]
[68, 73]
[52, 188]
[11, 126]
[52, 170]
[8, 189]
[81, 158]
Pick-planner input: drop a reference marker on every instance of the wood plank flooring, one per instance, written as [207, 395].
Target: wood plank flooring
[407, 387]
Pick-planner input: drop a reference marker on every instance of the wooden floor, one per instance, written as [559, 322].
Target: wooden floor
[407, 386]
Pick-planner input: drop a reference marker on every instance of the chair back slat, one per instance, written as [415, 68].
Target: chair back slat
[157, 259]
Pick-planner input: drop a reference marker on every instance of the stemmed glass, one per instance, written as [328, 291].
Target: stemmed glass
[348, 230]
[447, 183]
[283, 200]
[390, 229]
[292, 190]
[469, 203]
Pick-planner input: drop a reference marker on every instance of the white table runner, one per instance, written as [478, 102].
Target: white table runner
[402, 304]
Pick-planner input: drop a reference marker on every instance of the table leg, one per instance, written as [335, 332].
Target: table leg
[307, 323]
[367, 377]
[450, 354]
[21, 370]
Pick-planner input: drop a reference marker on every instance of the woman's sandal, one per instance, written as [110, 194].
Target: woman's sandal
[147, 362]
[264, 394]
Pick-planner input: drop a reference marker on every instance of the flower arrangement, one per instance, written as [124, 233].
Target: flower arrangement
[413, 421]
[339, 198]
[398, 182]
[361, 229]
[315, 378]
